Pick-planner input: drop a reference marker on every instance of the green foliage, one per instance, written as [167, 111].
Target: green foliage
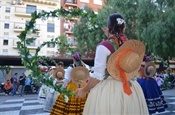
[167, 82]
[5, 70]
[48, 80]
[149, 21]
[155, 26]
[128, 8]
[30, 61]
[63, 44]
[91, 32]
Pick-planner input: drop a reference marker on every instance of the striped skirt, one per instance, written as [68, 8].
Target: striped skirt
[74, 106]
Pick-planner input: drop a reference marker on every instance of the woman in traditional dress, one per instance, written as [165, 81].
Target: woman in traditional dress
[113, 92]
[72, 106]
[153, 95]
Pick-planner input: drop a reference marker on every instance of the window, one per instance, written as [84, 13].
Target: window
[51, 45]
[50, 27]
[7, 17]
[98, 2]
[5, 42]
[8, 4]
[27, 23]
[5, 51]
[32, 43]
[87, 1]
[6, 35]
[6, 26]
[30, 9]
[7, 9]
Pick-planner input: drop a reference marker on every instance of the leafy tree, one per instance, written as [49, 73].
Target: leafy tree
[5, 70]
[156, 26]
[88, 32]
[151, 21]
[91, 26]
[63, 46]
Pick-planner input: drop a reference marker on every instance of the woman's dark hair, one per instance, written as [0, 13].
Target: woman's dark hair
[116, 24]
[60, 63]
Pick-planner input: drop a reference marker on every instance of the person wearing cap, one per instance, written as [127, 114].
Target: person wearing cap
[75, 77]
[112, 90]
[153, 95]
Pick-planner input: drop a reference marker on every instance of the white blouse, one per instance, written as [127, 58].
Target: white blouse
[100, 62]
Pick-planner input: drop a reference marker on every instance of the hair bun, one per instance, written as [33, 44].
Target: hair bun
[116, 23]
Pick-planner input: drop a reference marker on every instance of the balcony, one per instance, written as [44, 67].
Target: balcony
[24, 11]
[70, 3]
[73, 19]
[31, 46]
[47, 2]
[68, 27]
[19, 27]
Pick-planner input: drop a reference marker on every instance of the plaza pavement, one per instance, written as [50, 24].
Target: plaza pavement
[29, 105]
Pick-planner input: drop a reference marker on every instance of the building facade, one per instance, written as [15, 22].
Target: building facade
[67, 25]
[14, 15]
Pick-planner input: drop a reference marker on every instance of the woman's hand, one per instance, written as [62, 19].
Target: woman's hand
[80, 93]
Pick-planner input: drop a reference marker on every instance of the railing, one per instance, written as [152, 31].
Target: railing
[49, 2]
[70, 1]
[52, 0]
[25, 10]
[32, 45]
[21, 26]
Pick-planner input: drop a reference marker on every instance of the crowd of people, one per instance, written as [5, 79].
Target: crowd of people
[120, 83]
[17, 85]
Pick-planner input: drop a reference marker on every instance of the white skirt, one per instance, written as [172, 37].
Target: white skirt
[108, 98]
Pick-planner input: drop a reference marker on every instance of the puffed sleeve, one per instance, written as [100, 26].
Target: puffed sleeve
[100, 62]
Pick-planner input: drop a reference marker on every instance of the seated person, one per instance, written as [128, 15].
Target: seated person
[8, 87]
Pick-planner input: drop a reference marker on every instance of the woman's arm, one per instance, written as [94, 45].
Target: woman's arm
[91, 83]
[67, 77]
[98, 70]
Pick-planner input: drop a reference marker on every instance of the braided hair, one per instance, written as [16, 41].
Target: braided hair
[116, 24]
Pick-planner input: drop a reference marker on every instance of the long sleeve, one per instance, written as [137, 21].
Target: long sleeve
[100, 62]
[67, 77]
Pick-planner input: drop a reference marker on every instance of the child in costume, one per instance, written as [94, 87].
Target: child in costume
[75, 77]
[58, 74]
[112, 91]
[153, 95]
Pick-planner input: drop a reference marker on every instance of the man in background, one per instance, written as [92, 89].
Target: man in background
[14, 83]
[22, 84]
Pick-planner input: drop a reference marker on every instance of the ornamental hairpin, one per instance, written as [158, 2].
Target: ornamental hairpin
[120, 21]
